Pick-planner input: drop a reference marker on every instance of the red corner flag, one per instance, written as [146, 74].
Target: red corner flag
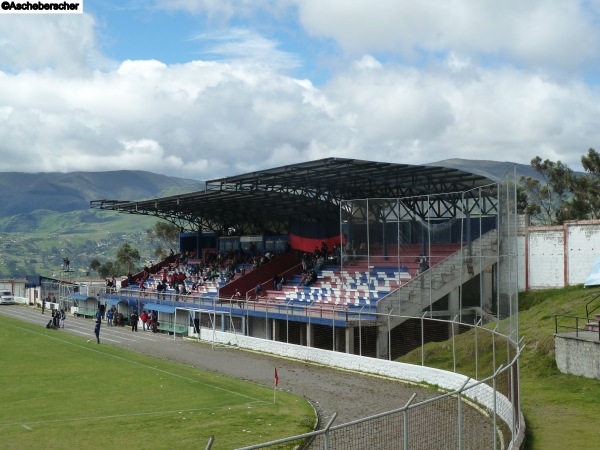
[276, 377]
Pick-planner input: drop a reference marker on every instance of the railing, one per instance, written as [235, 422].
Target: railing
[588, 310]
[564, 323]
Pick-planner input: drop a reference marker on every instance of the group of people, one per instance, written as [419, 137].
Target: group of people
[113, 317]
[308, 277]
[58, 319]
[149, 321]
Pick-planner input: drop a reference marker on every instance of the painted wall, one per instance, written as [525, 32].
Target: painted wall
[558, 256]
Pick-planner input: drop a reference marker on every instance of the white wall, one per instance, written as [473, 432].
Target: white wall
[546, 258]
[558, 256]
[583, 246]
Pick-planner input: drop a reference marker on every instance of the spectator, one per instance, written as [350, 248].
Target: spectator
[144, 319]
[134, 320]
[423, 264]
[311, 279]
[280, 283]
[110, 316]
[154, 322]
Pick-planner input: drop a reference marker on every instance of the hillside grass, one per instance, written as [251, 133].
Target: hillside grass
[60, 391]
[36, 243]
[561, 411]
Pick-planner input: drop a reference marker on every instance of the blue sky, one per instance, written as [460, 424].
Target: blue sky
[207, 88]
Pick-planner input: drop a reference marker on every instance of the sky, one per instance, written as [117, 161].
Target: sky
[203, 89]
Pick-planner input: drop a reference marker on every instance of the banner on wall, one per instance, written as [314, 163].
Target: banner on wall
[306, 236]
[593, 278]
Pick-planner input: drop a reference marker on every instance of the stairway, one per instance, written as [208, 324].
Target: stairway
[412, 298]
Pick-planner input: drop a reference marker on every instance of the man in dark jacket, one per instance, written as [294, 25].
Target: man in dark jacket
[97, 330]
[134, 320]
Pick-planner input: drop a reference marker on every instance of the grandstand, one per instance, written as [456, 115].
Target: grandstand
[446, 216]
[402, 243]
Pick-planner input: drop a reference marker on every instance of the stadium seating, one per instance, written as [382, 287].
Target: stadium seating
[358, 286]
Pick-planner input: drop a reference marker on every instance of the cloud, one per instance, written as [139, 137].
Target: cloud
[65, 43]
[208, 119]
[245, 110]
[240, 44]
[544, 32]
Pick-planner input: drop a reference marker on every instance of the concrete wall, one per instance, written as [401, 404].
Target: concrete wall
[557, 256]
[577, 356]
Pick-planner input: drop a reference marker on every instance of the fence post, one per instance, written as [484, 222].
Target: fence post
[405, 418]
[423, 339]
[495, 407]
[454, 344]
[326, 431]
[359, 332]
[477, 350]
[460, 413]
[389, 336]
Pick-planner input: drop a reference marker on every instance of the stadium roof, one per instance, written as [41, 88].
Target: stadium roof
[266, 201]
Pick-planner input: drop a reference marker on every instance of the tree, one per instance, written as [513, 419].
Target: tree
[546, 197]
[106, 270]
[587, 187]
[95, 264]
[127, 257]
[521, 200]
[165, 234]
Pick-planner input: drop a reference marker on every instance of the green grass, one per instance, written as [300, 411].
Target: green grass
[58, 391]
[561, 411]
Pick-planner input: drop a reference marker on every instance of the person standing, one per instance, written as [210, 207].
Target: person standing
[97, 330]
[109, 316]
[154, 322]
[43, 305]
[144, 318]
[134, 320]
[62, 316]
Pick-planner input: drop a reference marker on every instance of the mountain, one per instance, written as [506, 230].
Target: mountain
[45, 217]
[23, 193]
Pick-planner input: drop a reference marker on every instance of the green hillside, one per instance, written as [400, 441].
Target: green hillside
[561, 411]
[46, 217]
[37, 242]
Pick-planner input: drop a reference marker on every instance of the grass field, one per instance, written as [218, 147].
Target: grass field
[59, 391]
